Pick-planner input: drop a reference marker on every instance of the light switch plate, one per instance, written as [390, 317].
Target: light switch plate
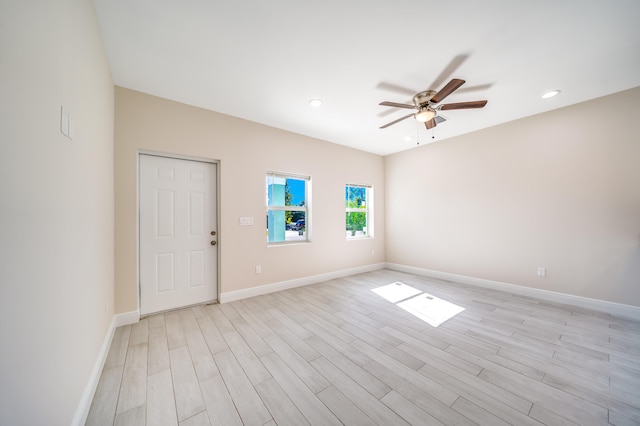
[64, 121]
[71, 133]
[246, 221]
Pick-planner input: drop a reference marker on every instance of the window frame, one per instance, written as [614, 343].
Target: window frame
[368, 210]
[306, 208]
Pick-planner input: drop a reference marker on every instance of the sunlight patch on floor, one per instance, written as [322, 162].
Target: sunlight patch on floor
[396, 292]
[430, 309]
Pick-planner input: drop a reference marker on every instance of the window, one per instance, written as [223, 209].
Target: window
[358, 201]
[287, 208]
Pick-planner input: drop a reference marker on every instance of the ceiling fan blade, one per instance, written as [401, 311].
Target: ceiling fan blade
[469, 89]
[447, 90]
[395, 121]
[397, 105]
[449, 70]
[430, 124]
[387, 111]
[395, 88]
[464, 105]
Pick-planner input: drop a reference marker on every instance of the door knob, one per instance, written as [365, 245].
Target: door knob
[213, 243]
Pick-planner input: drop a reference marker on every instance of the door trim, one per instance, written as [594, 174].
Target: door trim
[218, 211]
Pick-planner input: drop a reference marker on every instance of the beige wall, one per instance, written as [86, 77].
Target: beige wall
[246, 151]
[56, 268]
[559, 190]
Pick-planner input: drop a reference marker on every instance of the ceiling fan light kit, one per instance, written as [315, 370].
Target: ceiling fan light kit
[425, 114]
[428, 104]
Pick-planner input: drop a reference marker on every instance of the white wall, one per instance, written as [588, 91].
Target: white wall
[56, 267]
[246, 151]
[559, 190]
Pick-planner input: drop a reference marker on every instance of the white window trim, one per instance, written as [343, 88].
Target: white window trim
[306, 208]
[368, 210]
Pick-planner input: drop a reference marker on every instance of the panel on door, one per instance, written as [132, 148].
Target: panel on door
[178, 250]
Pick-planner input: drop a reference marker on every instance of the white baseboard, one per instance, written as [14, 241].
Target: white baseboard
[230, 296]
[612, 308]
[89, 391]
[127, 318]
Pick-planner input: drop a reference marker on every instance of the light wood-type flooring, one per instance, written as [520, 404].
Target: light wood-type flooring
[337, 353]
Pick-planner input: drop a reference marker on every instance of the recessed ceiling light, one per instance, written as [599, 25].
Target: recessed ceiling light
[315, 102]
[408, 138]
[551, 94]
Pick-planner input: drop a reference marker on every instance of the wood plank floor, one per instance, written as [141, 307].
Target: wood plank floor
[338, 353]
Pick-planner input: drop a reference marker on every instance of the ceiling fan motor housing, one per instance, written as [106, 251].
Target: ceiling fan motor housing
[423, 98]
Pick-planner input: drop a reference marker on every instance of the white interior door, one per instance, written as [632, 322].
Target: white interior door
[178, 226]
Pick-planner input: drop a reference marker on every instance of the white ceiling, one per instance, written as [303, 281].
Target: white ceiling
[264, 60]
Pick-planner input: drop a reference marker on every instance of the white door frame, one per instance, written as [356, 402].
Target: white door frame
[218, 210]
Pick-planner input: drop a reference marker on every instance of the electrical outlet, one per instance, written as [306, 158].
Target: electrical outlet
[542, 271]
[258, 269]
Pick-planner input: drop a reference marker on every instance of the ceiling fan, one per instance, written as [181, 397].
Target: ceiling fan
[428, 104]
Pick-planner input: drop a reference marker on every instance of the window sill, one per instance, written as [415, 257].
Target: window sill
[358, 238]
[288, 243]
